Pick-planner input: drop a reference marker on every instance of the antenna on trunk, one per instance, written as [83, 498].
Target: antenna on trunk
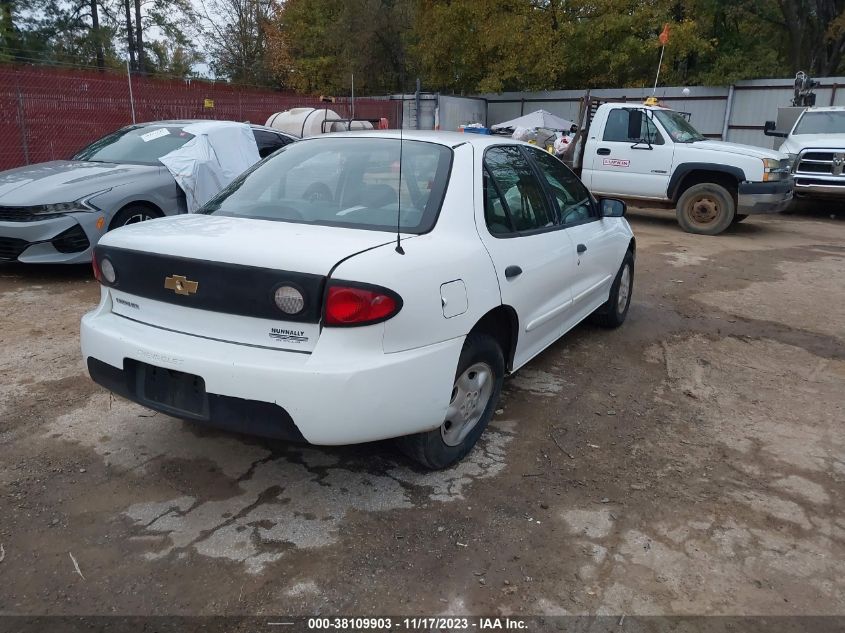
[399, 248]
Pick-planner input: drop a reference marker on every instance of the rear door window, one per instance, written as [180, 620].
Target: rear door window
[495, 215]
[517, 190]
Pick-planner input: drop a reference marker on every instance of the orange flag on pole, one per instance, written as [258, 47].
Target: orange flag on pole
[664, 35]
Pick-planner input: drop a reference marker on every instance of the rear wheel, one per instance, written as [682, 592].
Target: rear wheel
[132, 214]
[706, 209]
[476, 390]
[612, 314]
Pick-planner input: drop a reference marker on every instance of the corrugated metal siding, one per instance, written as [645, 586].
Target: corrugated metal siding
[754, 102]
[457, 111]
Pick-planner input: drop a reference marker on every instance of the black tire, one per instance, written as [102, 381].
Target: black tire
[611, 314]
[739, 217]
[430, 449]
[706, 209]
[132, 214]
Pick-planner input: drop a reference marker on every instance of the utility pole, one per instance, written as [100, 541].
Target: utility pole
[130, 37]
[98, 38]
[8, 30]
[139, 36]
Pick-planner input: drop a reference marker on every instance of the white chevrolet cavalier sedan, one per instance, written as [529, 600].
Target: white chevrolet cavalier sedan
[356, 287]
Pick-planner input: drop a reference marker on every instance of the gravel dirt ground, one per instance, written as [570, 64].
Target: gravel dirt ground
[691, 462]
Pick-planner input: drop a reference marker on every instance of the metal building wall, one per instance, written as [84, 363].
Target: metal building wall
[454, 112]
[733, 113]
[757, 100]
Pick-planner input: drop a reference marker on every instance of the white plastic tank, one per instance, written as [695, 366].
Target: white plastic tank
[309, 122]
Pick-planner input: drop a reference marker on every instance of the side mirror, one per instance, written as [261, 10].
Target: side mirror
[770, 129]
[612, 208]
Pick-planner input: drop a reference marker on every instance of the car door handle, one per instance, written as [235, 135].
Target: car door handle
[581, 248]
[603, 151]
[512, 271]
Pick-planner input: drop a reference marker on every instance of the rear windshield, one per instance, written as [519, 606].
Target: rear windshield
[831, 122]
[143, 145]
[343, 181]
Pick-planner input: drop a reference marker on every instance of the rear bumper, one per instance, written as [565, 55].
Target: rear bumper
[342, 393]
[764, 197]
[234, 414]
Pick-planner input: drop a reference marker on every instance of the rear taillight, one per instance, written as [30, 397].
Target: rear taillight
[104, 271]
[359, 304]
[97, 275]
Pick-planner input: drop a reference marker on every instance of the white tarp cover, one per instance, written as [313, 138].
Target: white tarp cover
[538, 118]
[219, 152]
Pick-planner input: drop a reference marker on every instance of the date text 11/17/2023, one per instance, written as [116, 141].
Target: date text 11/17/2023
[417, 623]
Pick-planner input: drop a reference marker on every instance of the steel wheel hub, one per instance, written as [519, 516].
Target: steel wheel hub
[704, 210]
[624, 289]
[470, 396]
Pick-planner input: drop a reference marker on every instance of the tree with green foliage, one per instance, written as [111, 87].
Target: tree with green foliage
[96, 32]
[318, 45]
[236, 34]
[64, 32]
[461, 46]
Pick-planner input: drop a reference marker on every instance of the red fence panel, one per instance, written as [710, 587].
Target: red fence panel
[48, 113]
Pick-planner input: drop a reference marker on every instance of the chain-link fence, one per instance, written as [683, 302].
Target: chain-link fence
[48, 113]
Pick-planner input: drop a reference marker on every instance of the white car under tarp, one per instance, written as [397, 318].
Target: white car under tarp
[219, 152]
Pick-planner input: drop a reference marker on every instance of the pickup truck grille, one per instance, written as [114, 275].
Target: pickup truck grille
[815, 162]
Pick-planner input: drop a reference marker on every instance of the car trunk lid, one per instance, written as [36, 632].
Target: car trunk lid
[215, 277]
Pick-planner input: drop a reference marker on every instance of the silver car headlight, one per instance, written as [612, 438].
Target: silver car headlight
[83, 205]
[58, 208]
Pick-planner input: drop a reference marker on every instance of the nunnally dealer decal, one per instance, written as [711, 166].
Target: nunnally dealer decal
[290, 336]
[615, 162]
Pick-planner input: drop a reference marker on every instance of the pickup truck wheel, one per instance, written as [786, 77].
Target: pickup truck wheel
[478, 384]
[613, 312]
[706, 209]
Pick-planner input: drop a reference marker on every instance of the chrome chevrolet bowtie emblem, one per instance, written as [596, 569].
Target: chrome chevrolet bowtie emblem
[838, 164]
[180, 285]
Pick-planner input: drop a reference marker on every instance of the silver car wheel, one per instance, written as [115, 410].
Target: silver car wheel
[624, 289]
[138, 217]
[470, 397]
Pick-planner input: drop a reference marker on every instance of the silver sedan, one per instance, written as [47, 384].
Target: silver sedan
[55, 212]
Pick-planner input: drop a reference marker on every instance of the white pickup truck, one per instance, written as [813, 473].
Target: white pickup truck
[651, 154]
[816, 145]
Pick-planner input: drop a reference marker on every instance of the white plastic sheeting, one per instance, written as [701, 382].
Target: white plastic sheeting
[219, 152]
[536, 119]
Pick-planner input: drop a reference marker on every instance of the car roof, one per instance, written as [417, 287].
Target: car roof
[254, 126]
[450, 139]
